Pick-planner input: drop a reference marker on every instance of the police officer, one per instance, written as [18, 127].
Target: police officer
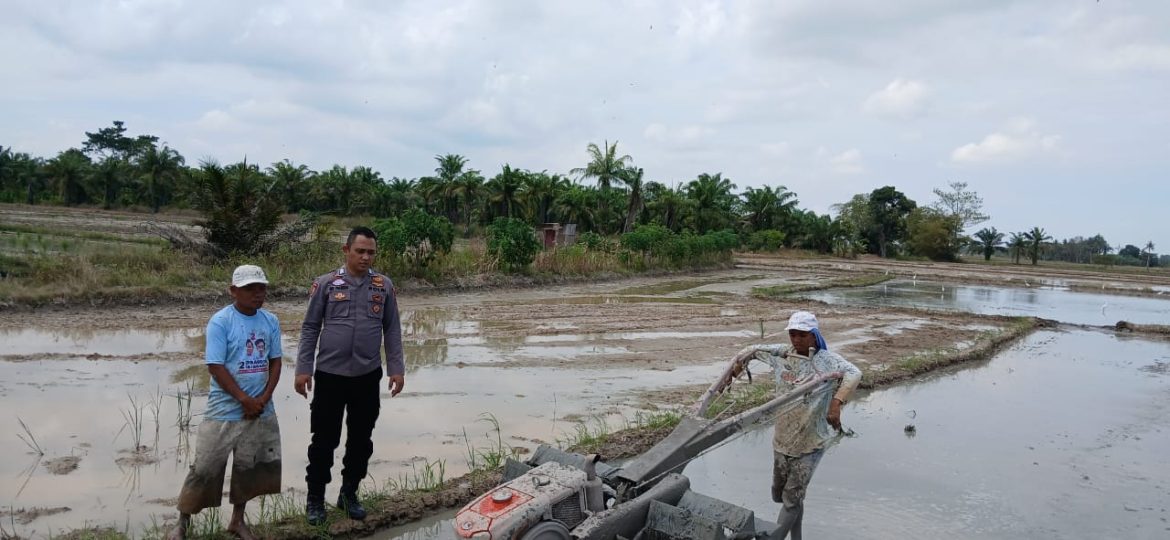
[353, 312]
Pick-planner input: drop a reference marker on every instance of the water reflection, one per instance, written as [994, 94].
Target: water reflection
[81, 341]
[1050, 303]
[1028, 450]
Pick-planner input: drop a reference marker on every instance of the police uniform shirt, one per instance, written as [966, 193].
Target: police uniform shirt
[351, 318]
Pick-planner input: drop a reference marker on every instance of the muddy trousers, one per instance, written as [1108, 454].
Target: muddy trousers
[790, 478]
[334, 397]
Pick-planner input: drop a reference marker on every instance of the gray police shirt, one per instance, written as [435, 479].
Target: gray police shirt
[351, 319]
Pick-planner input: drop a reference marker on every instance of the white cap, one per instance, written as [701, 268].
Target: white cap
[803, 321]
[247, 274]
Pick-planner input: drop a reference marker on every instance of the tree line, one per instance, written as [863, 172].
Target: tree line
[607, 195]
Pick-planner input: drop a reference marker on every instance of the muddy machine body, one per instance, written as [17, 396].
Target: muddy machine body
[557, 495]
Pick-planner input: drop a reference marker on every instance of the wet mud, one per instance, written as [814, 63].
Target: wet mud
[24, 516]
[62, 465]
[539, 361]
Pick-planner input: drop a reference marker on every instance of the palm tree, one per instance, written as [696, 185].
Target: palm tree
[69, 169]
[1149, 252]
[540, 192]
[1017, 245]
[290, 182]
[667, 205]
[768, 208]
[712, 201]
[448, 175]
[633, 179]
[989, 240]
[504, 190]
[606, 166]
[575, 205]
[1036, 238]
[158, 166]
[7, 174]
[469, 187]
[107, 177]
[430, 189]
[397, 197]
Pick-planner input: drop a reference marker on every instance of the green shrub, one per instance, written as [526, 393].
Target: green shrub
[595, 242]
[766, 240]
[417, 237]
[513, 242]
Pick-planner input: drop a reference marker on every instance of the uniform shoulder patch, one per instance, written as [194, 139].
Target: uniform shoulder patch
[313, 288]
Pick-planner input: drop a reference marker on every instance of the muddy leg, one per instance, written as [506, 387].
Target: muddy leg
[789, 522]
[179, 532]
[237, 525]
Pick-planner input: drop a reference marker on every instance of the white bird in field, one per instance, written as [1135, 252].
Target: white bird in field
[1103, 306]
[1026, 283]
[1102, 286]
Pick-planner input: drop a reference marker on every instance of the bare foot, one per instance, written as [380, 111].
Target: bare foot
[178, 532]
[241, 530]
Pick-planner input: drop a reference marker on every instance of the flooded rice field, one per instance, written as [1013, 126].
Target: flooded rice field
[1046, 302]
[1061, 436]
[102, 393]
[1064, 435]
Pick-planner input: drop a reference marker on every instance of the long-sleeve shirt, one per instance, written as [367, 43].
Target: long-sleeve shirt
[804, 428]
[351, 319]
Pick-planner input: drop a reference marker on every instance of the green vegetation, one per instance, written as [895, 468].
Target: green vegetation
[985, 345]
[417, 237]
[512, 243]
[844, 281]
[288, 217]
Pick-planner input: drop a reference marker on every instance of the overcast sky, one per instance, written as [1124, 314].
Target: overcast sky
[1057, 112]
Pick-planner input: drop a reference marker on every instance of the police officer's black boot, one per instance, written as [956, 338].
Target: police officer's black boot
[348, 501]
[315, 504]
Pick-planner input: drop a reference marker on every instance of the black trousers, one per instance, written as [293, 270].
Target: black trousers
[355, 398]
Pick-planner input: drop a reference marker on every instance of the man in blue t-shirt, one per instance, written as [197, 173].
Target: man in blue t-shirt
[243, 357]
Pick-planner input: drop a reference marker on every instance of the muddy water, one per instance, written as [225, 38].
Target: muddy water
[81, 342]
[1048, 302]
[78, 404]
[1061, 436]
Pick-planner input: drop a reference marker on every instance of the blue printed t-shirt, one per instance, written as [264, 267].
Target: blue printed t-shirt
[244, 345]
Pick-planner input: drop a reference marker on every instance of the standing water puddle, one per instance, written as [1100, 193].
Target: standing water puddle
[77, 407]
[1049, 303]
[28, 342]
[1060, 436]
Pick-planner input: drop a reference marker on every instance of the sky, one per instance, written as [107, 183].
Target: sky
[1055, 111]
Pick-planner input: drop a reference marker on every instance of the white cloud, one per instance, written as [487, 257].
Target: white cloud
[680, 136]
[847, 162]
[776, 149]
[750, 88]
[1020, 140]
[900, 98]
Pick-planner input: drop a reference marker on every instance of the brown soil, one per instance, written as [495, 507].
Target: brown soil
[24, 516]
[673, 332]
[63, 465]
[137, 458]
[390, 511]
